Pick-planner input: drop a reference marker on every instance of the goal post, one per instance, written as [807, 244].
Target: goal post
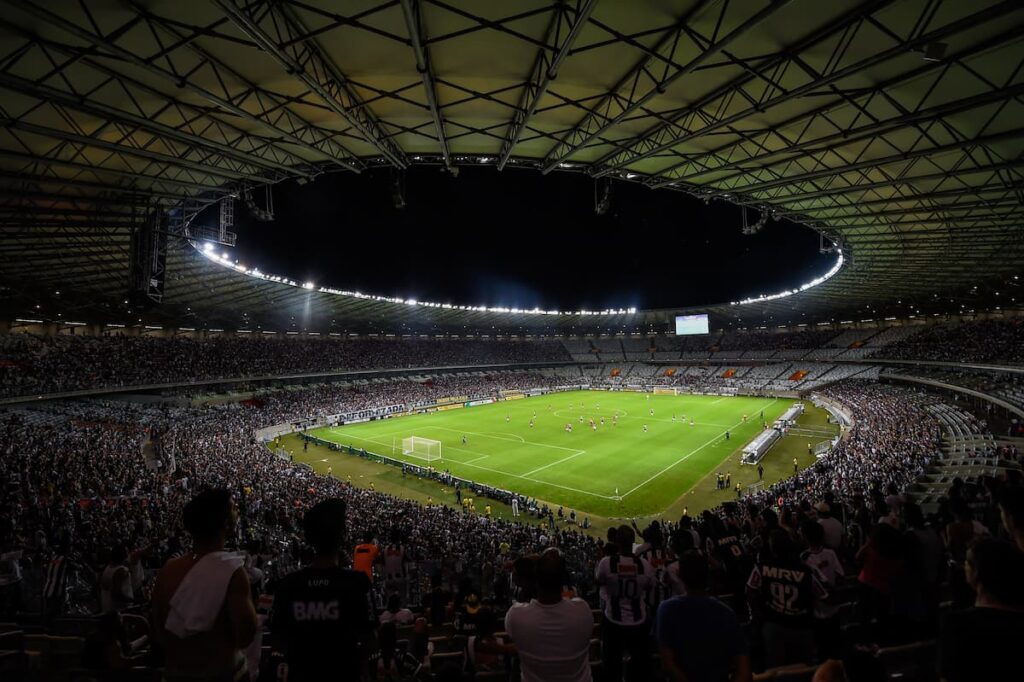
[421, 448]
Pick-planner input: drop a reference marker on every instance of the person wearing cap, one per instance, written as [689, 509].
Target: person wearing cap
[465, 617]
[832, 526]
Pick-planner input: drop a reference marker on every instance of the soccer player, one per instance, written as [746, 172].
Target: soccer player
[531, 423]
[463, 439]
[323, 619]
[581, 419]
[673, 418]
[645, 428]
[508, 418]
[652, 412]
[727, 435]
[691, 421]
[515, 506]
[796, 465]
[602, 421]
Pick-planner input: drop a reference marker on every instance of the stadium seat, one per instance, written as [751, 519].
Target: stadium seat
[787, 673]
[914, 662]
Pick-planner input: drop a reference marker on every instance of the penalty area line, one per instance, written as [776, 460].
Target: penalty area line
[506, 473]
[557, 461]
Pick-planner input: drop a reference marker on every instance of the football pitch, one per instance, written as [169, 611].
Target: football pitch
[617, 469]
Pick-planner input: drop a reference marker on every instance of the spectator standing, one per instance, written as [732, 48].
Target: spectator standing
[625, 579]
[981, 643]
[203, 614]
[782, 591]
[824, 561]
[365, 555]
[699, 638]
[322, 613]
[833, 527]
[552, 633]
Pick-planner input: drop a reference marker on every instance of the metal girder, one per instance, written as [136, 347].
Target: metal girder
[121, 150]
[918, 210]
[412, 11]
[108, 192]
[545, 70]
[871, 163]
[666, 136]
[299, 55]
[272, 113]
[870, 131]
[74, 165]
[269, 152]
[972, 192]
[775, 66]
[642, 84]
[805, 121]
[84, 104]
[905, 180]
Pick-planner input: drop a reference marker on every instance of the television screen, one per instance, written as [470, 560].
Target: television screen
[691, 324]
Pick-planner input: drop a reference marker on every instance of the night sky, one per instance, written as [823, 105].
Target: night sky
[520, 239]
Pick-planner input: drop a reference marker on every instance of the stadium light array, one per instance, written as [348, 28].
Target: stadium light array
[803, 287]
[225, 261]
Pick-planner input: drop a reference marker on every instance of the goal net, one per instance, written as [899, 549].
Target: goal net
[421, 448]
[666, 390]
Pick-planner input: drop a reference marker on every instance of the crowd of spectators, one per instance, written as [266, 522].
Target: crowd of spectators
[32, 364]
[1006, 385]
[761, 582]
[996, 341]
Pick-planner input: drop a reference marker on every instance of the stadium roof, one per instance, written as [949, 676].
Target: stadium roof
[893, 127]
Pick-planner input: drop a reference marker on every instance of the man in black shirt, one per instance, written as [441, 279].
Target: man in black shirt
[322, 613]
[981, 643]
[782, 591]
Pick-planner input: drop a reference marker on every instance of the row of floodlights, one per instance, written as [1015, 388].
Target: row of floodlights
[803, 287]
[209, 250]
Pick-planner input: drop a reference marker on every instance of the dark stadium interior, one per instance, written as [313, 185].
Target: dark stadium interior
[443, 340]
[519, 239]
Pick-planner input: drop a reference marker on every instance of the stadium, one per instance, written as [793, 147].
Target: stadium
[554, 340]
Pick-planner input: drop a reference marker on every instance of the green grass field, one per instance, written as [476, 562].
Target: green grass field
[583, 469]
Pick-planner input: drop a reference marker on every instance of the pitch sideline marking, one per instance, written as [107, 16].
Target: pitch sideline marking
[687, 456]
